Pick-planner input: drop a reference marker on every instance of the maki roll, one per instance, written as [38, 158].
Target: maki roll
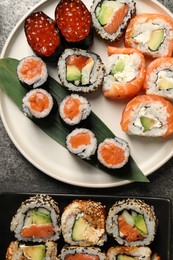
[110, 18]
[80, 70]
[82, 142]
[76, 252]
[129, 253]
[148, 115]
[125, 73]
[20, 251]
[43, 36]
[83, 223]
[37, 220]
[74, 21]
[159, 78]
[38, 104]
[32, 72]
[151, 34]
[74, 108]
[113, 153]
[132, 222]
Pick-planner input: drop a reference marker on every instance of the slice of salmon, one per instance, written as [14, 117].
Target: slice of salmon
[71, 108]
[112, 154]
[80, 139]
[81, 257]
[117, 19]
[46, 230]
[39, 101]
[31, 68]
[78, 61]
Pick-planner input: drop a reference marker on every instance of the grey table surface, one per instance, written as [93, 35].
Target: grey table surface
[19, 176]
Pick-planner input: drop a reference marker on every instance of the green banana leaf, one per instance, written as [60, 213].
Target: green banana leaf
[10, 84]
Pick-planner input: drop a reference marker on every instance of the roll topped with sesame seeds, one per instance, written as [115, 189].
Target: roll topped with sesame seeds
[83, 223]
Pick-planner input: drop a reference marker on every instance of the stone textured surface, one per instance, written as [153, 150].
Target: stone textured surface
[18, 175]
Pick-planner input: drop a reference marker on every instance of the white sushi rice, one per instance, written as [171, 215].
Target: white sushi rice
[84, 109]
[83, 151]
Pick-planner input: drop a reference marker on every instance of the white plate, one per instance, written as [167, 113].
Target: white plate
[51, 158]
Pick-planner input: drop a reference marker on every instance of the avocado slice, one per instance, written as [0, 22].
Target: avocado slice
[40, 218]
[156, 39]
[105, 14]
[79, 228]
[140, 224]
[118, 67]
[73, 73]
[147, 122]
[37, 252]
[164, 84]
[124, 257]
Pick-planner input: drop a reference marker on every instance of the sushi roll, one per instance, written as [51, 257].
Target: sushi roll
[110, 18]
[82, 142]
[159, 78]
[32, 72]
[76, 252]
[129, 253]
[113, 153]
[38, 104]
[74, 21]
[151, 34]
[37, 220]
[80, 70]
[125, 73]
[43, 36]
[132, 222]
[74, 108]
[20, 251]
[83, 223]
[148, 115]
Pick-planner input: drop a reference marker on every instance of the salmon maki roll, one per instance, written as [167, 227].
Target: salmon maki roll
[148, 115]
[110, 18]
[159, 78]
[151, 34]
[125, 73]
[82, 142]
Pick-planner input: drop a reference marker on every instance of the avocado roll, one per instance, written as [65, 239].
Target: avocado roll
[74, 108]
[132, 222]
[80, 70]
[32, 72]
[20, 251]
[83, 223]
[110, 18]
[76, 252]
[37, 220]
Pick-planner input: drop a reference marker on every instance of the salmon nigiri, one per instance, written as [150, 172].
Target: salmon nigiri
[148, 115]
[125, 73]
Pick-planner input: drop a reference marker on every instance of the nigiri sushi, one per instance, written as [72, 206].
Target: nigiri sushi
[151, 33]
[125, 73]
[148, 115]
[159, 77]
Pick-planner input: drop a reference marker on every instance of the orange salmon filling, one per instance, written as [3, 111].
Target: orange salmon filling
[71, 108]
[112, 154]
[80, 139]
[81, 257]
[42, 230]
[78, 61]
[31, 68]
[39, 102]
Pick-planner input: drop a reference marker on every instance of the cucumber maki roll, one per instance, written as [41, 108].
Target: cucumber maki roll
[132, 222]
[74, 252]
[80, 70]
[37, 220]
[32, 72]
[83, 223]
[110, 18]
[20, 251]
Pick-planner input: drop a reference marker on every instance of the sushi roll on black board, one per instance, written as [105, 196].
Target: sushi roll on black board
[32, 72]
[83, 223]
[37, 220]
[74, 109]
[132, 222]
[20, 251]
[80, 70]
[110, 18]
[74, 22]
[38, 104]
